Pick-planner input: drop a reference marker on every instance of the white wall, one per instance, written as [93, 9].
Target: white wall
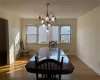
[88, 39]
[13, 32]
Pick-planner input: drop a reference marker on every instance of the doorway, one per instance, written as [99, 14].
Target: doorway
[4, 40]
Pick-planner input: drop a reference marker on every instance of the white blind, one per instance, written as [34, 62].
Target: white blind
[65, 30]
[42, 35]
[65, 34]
[55, 33]
[31, 30]
[31, 34]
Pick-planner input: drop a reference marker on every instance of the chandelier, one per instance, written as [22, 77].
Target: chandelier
[47, 17]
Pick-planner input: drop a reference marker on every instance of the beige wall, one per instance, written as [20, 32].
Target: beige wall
[13, 32]
[88, 39]
[70, 47]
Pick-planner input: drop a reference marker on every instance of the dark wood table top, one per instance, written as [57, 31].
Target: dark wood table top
[56, 54]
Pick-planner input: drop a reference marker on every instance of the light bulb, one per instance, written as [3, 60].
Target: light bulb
[43, 25]
[53, 18]
[49, 24]
[47, 18]
[42, 21]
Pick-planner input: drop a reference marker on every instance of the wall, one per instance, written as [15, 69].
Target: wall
[88, 39]
[13, 33]
[70, 47]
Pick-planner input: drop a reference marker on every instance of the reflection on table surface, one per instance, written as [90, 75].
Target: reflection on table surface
[55, 54]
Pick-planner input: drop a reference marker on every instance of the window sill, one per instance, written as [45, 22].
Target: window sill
[65, 43]
[43, 43]
[46, 43]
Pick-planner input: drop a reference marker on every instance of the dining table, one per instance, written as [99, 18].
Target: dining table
[49, 53]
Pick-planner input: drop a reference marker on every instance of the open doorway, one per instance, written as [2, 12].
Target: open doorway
[4, 40]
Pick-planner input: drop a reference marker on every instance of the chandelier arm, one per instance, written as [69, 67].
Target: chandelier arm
[42, 13]
[52, 13]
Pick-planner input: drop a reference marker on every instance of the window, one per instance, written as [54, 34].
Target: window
[42, 35]
[65, 34]
[31, 34]
[55, 33]
[36, 34]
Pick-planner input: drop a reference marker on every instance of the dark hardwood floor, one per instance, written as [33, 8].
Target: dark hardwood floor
[17, 71]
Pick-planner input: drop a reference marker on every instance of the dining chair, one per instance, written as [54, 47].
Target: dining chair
[52, 44]
[49, 69]
[23, 51]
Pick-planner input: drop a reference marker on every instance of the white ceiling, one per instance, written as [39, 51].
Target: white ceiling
[61, 8]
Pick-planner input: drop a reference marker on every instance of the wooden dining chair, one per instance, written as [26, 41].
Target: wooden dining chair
[23, 51]
[49, 69]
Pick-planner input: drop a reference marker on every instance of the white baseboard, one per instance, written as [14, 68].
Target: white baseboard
[90, 66]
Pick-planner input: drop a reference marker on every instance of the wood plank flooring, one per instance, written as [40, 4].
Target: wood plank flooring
[17, 71]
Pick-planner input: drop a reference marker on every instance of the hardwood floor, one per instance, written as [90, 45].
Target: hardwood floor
[17, 71]
[82, 71]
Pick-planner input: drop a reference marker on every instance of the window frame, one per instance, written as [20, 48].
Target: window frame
[65, 34]
[59, 34]
[32, 34]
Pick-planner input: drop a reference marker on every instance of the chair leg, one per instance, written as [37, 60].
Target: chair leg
[59, 77]
[28, 54]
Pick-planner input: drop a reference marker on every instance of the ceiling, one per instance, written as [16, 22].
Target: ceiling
[61, 8]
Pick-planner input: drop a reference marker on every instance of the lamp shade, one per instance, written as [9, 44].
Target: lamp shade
[53, 18]
[49, 24]
[46, 18]
[43, 25]
[42, 21]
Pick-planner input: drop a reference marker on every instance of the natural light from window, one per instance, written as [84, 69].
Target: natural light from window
[55, 33]
[42, 37]
[65, 34]
[31, 34]
[39, 35]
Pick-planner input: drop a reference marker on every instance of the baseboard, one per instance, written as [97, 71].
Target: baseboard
[71, 54]
[90, 66]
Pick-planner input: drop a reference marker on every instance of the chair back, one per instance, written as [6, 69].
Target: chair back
[21, 45]
[48, 68]
[52, 44]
